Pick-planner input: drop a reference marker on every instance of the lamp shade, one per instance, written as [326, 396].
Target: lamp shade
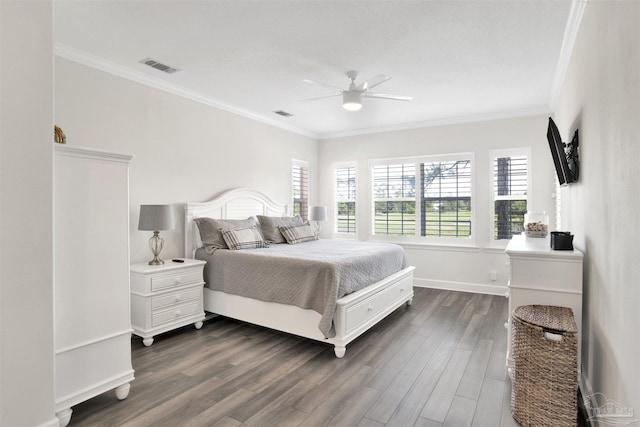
[318, 213]
[156, 218]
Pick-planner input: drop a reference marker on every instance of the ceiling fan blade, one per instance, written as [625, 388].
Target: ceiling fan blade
[327, 85]
[387, 96]
[373, 82]
[322, 97]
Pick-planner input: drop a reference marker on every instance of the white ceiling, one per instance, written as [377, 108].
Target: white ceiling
[458, 59]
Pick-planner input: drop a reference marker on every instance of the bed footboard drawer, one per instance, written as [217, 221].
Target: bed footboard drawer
[376, 304]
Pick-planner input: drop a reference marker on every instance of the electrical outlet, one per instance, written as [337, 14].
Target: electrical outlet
[494, 275]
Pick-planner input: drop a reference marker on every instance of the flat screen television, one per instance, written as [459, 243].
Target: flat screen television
[566, 163]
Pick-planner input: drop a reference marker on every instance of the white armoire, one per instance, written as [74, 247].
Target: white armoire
[92, 333]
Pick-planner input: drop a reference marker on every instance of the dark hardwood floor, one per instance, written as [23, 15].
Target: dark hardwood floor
[440, 362]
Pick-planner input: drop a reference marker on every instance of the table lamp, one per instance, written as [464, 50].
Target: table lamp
[317, 214]
[156, 218]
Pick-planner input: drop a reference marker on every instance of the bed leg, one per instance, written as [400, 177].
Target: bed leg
[409, 302]
[198, 325]
[339, 350]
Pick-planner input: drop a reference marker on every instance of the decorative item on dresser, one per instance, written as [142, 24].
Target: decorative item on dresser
[348, 316]
[540, 275]
[166, 297]
[156, 218]
[92, 339]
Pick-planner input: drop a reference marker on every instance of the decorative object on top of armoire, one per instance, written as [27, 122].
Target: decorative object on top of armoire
[59, 136]
[92, 323]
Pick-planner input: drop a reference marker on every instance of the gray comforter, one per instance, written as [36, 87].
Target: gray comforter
[311, 275]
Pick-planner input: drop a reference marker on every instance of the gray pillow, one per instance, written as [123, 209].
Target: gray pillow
[269, 226]
[210, 230]
[298, 234]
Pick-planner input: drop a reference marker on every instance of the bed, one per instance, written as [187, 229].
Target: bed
[338, 323]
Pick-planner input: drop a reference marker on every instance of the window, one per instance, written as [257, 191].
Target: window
[446, 198]
[423, 197]
[510, 188]
[300, 189]
[345, 199]
[394, 199]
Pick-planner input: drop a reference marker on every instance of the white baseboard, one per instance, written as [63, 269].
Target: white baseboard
[476, 288]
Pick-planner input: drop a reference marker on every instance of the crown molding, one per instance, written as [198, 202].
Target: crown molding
[570, 34]
[446, 121]
[101, 64]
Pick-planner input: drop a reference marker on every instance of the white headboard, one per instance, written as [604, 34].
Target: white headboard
[240, 203]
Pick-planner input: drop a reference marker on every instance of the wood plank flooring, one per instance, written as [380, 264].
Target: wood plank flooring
[440, 362]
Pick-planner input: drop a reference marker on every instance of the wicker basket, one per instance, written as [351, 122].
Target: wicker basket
[545, 376]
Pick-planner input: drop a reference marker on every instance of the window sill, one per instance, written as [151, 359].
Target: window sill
[439, 247]
[495, 250]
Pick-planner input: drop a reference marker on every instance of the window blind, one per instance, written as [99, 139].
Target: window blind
[394, 204]
[510, 186]
[345, 199]
[300, 189]
[446, 199]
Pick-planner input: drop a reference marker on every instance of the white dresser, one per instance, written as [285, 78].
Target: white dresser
[166, 297]
[92, 331]
[540, 275]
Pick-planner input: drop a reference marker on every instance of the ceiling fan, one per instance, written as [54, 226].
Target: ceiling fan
[352, 97]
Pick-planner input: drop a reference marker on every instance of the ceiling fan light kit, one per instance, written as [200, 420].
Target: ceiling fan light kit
[351, 100]
[352, 97]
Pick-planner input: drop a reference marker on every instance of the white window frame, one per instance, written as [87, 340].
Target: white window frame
[495, 154]
[416, 238]
[300, 164]
[336, 200]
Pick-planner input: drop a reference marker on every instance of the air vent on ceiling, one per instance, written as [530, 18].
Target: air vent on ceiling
[159, 66]
[283, 113]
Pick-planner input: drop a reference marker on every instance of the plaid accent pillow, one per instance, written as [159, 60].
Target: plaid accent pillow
[243, 238]
[298, 234]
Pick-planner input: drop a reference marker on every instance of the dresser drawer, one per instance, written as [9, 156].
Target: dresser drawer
[175, 298]
[175, 313]
[176, 279]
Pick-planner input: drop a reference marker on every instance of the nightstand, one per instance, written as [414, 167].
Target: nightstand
[166, 297]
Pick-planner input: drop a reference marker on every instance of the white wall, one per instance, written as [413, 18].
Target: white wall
[184, 151]
[440, 266]
[26, 212]
[601, 97]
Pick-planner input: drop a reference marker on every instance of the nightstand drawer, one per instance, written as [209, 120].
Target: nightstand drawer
[175, 313]
[176, 279]
[175, 298]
